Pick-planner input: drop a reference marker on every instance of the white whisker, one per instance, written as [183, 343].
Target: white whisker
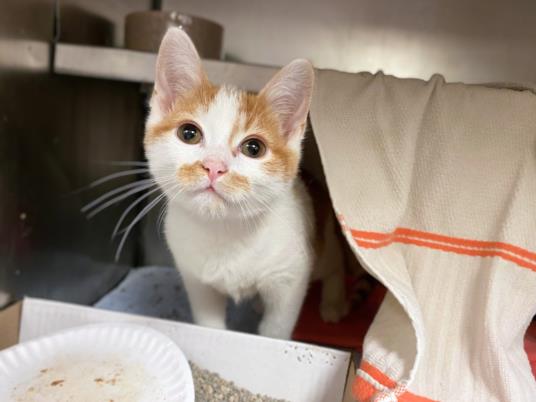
[138, 217]
[161, 215]
[123, 163]
[125, 213]
[103, 197]
[116, 175]
[108, 178]
[121, 197]
[163, 212]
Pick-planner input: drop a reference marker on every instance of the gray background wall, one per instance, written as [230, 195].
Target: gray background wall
[466, 40]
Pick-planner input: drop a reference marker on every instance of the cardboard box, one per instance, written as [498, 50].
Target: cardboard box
[281, 369]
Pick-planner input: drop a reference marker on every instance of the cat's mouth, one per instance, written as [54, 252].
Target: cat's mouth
[210, 189]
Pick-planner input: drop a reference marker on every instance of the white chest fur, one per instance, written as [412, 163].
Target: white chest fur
[239, 257]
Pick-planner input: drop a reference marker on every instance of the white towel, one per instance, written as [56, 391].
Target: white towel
[435, 185]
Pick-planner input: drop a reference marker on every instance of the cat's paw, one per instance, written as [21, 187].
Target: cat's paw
[334, 311]
[216, 323]
[273, 331]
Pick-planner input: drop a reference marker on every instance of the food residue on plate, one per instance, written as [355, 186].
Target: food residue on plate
[89, 381]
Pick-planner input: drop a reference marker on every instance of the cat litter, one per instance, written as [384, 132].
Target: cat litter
[210, 387]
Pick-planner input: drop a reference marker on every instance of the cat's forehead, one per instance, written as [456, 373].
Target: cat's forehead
[220, 118]
[232, 113]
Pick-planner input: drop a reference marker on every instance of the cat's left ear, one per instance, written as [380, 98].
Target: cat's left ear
[178, 68]
[289, 95]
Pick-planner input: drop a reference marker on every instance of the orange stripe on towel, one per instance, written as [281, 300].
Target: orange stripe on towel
[364, 391]
[477, 248]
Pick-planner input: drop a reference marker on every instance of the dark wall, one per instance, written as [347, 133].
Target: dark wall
[55, 131]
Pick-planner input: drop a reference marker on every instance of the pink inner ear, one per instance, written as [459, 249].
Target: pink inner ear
[178, 68]
[289, 94]
[163, 93]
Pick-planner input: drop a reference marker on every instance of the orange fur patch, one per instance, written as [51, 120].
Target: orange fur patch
[183, 110]
[257, 117]
[283, 163]
[234, 181]
[191, 173]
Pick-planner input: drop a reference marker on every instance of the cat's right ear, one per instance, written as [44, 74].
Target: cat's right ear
[178, 69]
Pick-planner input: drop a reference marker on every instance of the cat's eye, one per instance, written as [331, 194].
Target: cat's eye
[189, 133]
[253, 147]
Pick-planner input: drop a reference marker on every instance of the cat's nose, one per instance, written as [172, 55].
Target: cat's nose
[215, 168]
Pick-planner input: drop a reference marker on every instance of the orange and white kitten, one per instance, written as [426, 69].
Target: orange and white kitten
[240, 221]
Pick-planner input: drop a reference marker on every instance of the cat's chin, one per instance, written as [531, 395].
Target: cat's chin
[213, 205]
[207, 204]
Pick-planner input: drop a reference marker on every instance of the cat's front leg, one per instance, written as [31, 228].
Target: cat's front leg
[282, 305]
[207, 304]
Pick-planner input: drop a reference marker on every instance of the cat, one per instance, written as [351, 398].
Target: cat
[240, 221]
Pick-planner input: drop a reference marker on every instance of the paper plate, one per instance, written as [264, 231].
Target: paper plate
[102, 362]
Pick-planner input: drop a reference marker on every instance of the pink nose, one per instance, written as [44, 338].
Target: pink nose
[215, 168]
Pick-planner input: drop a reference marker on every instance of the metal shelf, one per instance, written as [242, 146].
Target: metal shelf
[129, 65]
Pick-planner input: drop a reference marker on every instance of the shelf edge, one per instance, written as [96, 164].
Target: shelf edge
[133, 66]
